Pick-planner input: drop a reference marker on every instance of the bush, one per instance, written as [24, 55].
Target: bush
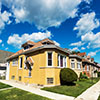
[98, 74]
[67, 76]
[83, 76]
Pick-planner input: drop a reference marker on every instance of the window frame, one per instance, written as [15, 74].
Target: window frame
[51, 59]
[64, 60]
[73, 62]
[79, 63]
[20, 67]
[50, 80]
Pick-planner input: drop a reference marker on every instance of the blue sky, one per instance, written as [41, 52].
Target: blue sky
[73, 24]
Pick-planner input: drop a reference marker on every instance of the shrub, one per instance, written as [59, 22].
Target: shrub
[83, 76]
[67, 76]
[98, 74]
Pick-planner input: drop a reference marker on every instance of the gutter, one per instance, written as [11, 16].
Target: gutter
[39, 48]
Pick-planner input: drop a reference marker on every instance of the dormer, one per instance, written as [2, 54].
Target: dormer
[47, 42]
[28, 44]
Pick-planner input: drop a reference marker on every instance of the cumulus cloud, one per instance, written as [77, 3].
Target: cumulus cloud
[75, 49]
[87, 23]
[82, 48]
[93, 53]
[56, 43]
[17, 40]
[4, 19]
[92, 39]
[0, 41]
[43, 13]
[77, 44]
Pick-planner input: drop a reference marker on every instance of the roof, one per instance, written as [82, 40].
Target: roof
[4, 55]
[75, 56]
[37, 46]
[81, 54]
[28, 42]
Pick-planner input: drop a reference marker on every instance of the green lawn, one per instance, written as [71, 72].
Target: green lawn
[17, 94]
[99, 98]
[72, 90]
[4, 86]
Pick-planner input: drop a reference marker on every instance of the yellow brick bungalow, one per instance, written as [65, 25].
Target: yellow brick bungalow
[38, 63]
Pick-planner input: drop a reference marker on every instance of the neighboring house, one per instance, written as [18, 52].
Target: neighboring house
[3, 64]
[76, 63]
[89, 66]
[38, 63]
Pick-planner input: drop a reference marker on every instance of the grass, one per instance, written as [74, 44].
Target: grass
[4, 86]
[99, 98]
[74, 91]
[17, 94]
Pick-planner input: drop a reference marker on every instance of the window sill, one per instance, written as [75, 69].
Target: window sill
[27, 76]
[20, 68]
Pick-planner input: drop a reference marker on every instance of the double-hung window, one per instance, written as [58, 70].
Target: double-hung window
[49, 57]
[72, 64]
[61, 61]
[79, 65]
[87, 67]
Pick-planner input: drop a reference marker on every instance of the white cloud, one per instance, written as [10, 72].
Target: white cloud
[75, 49]
[0, 41]
[43, 13]
[77, 44]
[6, 48]
[86, 23]
[17, 40]
[92, 39]
[93, 53]
[82, 48]
[2, 45]
[4, 19]
[56, 43]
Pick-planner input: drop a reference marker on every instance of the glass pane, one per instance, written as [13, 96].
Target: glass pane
[49, 55]
[49, 62]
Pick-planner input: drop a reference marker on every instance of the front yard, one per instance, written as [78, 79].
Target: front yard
[4, 86]
[17, 94]
[74, 91]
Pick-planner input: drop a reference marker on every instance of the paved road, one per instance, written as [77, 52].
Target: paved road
[37, 91]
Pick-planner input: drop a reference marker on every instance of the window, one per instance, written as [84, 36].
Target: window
[30, 71]
[83, 67]
[21, 61]
[79, 65]
[61, 61]
[19, 78]
[72, 64]
[87, 67]
[13, 77]
[49, 80]
[49, 58]
[25, 67]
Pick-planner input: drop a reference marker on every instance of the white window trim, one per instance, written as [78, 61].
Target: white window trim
[47, 58]
[63, 61]
[73, 62]
[20, 63]
[80, 65]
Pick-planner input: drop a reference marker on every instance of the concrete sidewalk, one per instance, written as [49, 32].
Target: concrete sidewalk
[37, 91]
[91, 93]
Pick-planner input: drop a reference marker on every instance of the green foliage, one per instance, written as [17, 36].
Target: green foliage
[95, 71]
[75, 52]
[83, 76]
[98, 74]
[67, 76]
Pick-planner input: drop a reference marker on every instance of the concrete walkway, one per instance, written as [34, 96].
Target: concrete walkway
[91, 93]
[47, 94]
[6, 88]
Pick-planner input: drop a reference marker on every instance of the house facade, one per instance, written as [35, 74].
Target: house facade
[38, 63]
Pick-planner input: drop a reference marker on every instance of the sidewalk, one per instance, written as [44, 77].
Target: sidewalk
[91, 93]
[37, 91]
